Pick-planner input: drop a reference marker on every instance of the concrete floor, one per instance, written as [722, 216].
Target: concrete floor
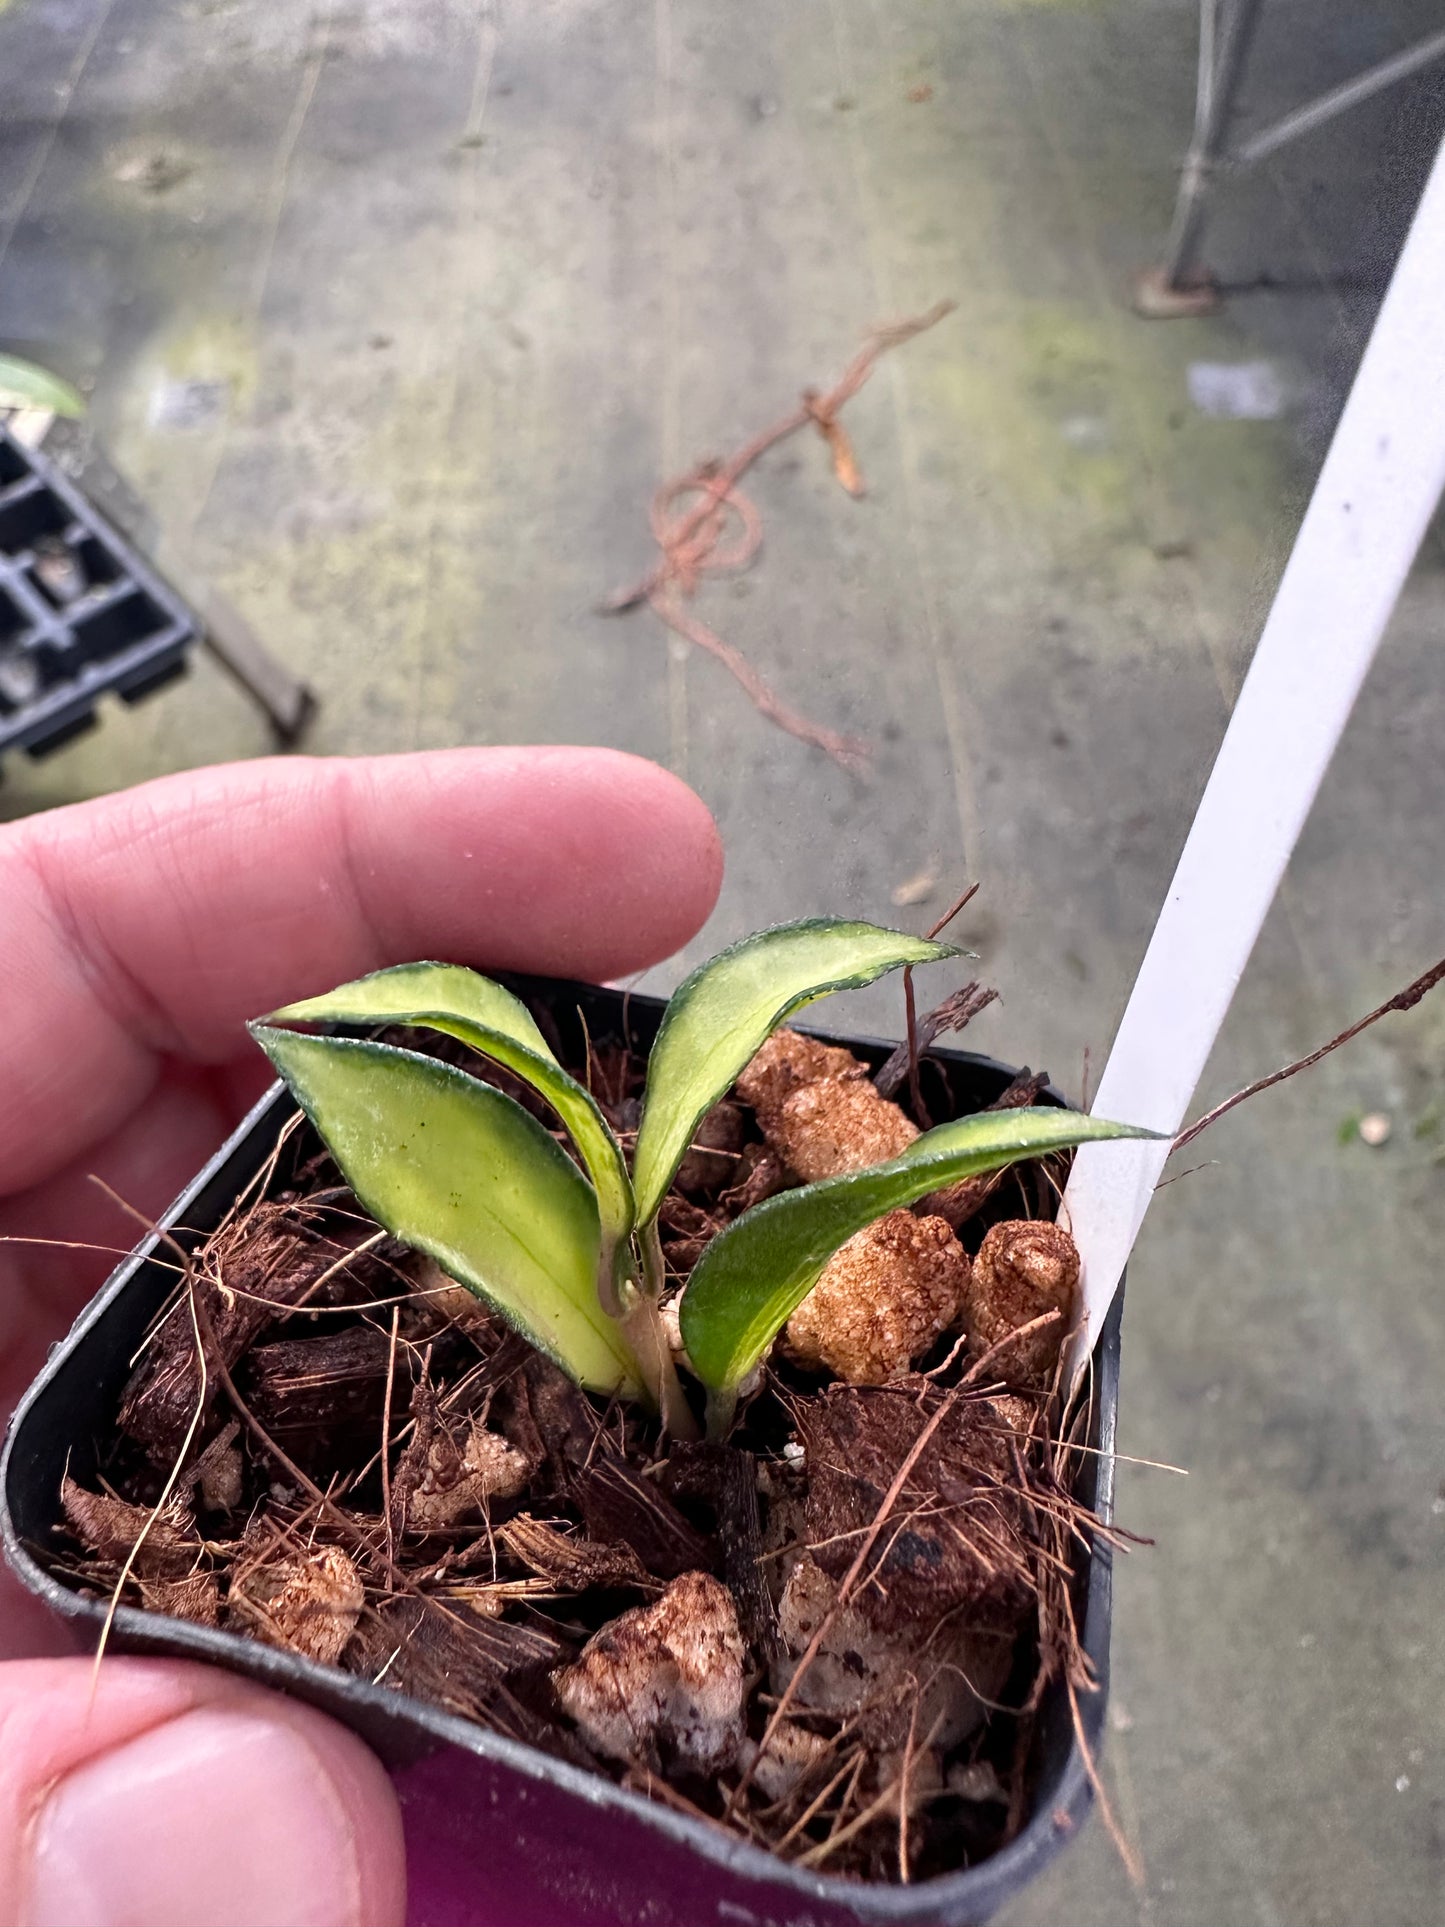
[396, 314]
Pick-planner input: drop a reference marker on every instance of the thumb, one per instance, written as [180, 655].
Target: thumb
[174, 1796]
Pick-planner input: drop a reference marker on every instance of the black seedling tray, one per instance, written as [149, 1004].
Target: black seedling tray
[80, 613]
[496, 1830]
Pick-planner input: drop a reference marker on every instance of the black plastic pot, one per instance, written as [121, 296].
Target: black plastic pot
[495, 1830]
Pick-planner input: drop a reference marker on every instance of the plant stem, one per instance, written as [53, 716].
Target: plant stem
[721, 1407]
[1405, 999]
[672, 1401]
[648, 1340]
[614, 1267]
[654, 1267]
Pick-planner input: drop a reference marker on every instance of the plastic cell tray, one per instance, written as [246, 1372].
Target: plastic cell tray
[80, 613]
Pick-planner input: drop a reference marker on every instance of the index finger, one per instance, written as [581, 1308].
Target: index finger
[150, 925]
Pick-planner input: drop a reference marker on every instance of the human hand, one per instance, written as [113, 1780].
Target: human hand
[137, 934]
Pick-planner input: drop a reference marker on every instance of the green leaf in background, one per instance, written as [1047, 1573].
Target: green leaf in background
[24, 384]
[728, 1008]
[754, 1275]
[458, 1170]
[449, 998]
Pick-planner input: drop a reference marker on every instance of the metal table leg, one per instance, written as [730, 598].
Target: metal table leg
[1374, 80]
[288, 702]
[1226, 28]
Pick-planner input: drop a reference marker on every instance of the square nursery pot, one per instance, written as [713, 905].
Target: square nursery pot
[497, 1831]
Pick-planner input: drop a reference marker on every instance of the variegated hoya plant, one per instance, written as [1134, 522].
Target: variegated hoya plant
[460, 1171]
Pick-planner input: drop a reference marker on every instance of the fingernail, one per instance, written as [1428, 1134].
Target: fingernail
[216, 1819]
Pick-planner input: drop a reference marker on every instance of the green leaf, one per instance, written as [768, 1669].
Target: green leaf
[460, 1171]
[24, 384]
[448, 998]
[727, 1009]
[754, 1275]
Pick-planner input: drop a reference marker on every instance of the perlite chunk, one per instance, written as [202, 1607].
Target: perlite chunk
[838, 1125]
[1023, 1269]
[459, 1481]
[663, 1683]
[786, 1062]
[882, 1301]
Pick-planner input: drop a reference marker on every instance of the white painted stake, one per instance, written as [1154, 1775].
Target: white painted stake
[1379, 486]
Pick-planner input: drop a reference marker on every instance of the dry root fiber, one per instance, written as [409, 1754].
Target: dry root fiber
[882, 1301]
[712, 1159]
[310, 1605]
[960, 1536]
[938, 1677]
[791, 1754]
[110, 1528]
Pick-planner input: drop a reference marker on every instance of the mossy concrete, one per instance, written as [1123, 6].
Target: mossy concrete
[397, 315]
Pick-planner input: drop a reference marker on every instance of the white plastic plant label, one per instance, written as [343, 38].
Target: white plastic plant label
[1379, 486]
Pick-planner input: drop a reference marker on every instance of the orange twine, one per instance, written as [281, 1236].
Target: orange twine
[693, 545]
